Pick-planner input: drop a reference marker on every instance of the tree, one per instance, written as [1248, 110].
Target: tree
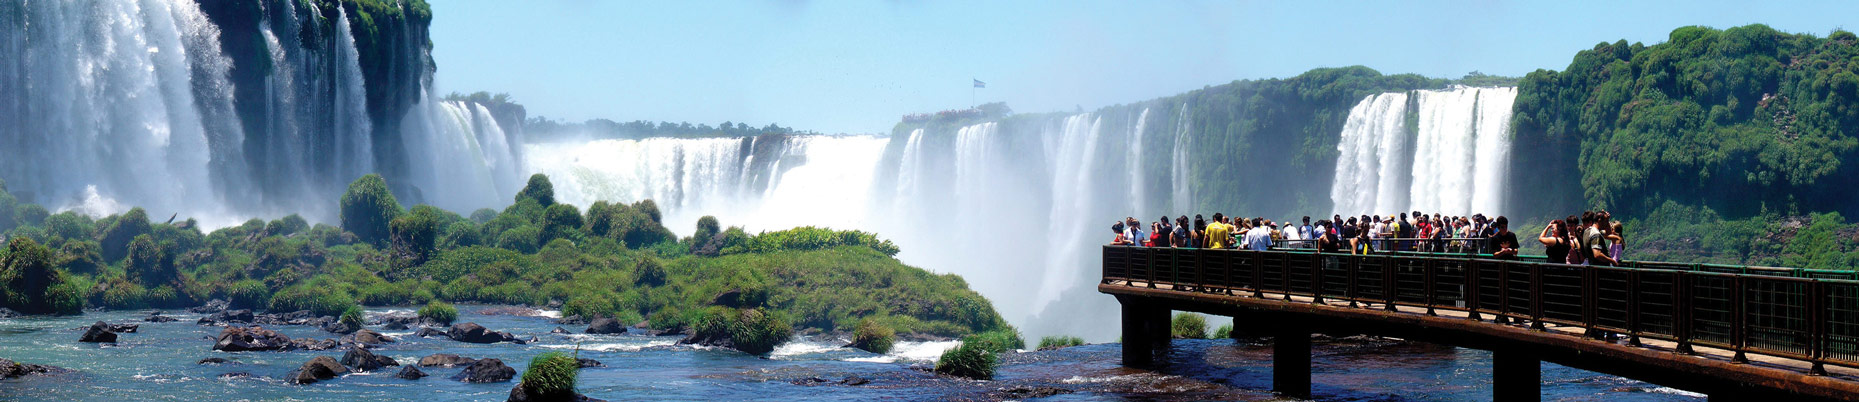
[416, 235]
[368, 208]
[538, 189]
[30, 274]
[121, 231]
[560, 221]
[149, 264]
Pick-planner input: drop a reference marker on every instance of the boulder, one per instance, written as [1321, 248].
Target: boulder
[399, 321]
[124, 328]
[571, 320]
[445, 360]
[429, 332]
[606, 326]
[11, 369]
[240, 339]
[854, 381]
[312, 344]
[98, 333]
[227, 317]
[522, 394]
[317, 369]
[486, 370]
[367, 337]
[474, 333]
[159, 318]
[212, 306]
[340, 328]
[9, 313]
[410, 373]
[216, 360]
[236, 374]
[363, 360]
[586, 362]
[558, 330]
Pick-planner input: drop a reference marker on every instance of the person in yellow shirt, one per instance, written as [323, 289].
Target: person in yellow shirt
[1217, 232]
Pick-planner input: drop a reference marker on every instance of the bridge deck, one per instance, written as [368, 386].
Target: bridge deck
[1461, 301]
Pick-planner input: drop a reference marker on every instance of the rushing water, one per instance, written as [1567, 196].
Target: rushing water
[158, 363]
[1454, 161]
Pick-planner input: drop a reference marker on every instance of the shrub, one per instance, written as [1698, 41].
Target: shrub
[352, 317]
[124, 229]
[601, 304]
[1055, 342]
[538, 189]
[968, 360]
[650, 209]
[248, 293]
[459, 234]
[321, 301]
[524, 239]
[997, 341]
[649, 272]
[707, 227]
[1225, 331]
[69, 225]
[30, 214]
[560, 221]
[551, 377]
[439, 312]
[80, 256]
[483, 215]
[367, 209]
[1189, 326]
[67, 297]
[873, 336]
[751, 331]
[29, 275]
[148, 264]
[287, 226]
[124, 295]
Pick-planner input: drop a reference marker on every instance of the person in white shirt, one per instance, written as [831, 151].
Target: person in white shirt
[1259, 238]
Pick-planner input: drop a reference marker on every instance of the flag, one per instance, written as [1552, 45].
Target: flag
[979, 84]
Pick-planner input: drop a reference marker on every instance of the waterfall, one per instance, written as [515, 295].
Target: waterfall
[354, 146]
[1073, 198]
[1373, 134]
[1456, 164]
[1135, 165]
[911, 167]
[100, 100]
[1178, 163]
[463, 162]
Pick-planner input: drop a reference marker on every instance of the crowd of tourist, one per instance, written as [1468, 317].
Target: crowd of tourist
[1592, 238]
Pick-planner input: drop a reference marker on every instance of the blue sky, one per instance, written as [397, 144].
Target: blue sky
[856, 66]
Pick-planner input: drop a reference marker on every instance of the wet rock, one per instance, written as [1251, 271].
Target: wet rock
[606, 326]
[312, 344]
[98, 333]
[340, 327]
[236, 374]
[212, 306]
[398, 322]
[11, 369]
[473, 333]
[159, 318]
[571, 320]
[240, 316]
[522, 394]
[854, 381]
[486, 370]
[554, 304]
[317, 369]
[367, 337]
[9, 313]
[445, 360]
[216, 360]
[241, 339]
[410, 373]
[429, 332]
[586, 362]
[363, 360]
[1026, 392]
[558, 330]
[124, 328]
[809, 381]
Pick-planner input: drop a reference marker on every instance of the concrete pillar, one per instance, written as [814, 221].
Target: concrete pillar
[1291, 360]
[1145, 331]
[1516, 375]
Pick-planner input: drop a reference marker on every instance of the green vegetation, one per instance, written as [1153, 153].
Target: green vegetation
[1225, 331]
[544, 129]
[1662, 135]
[610, 260]
[439, 312]
[1189, 326]
[551, 377]
[352, 317]
[969, 360]
[873, 336]
[1056, 342]
[997, 341]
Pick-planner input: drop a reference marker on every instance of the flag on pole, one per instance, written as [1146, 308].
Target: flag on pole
[979, 84]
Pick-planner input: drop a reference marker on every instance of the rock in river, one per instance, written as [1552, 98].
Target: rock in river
[363, 360]
[410, 373]
[98, 333]
[317, 369]
[11, 369]
[606, 326]
[445, 360]
[487, 370]
[474, 333]
[240, 339]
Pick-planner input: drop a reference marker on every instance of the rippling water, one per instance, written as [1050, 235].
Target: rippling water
[158, 363]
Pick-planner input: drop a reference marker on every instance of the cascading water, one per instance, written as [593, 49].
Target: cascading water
[1456, 164]
[115, 103]
[1183, 197]
[1072, 200]
[101, 96]
[1135, 165]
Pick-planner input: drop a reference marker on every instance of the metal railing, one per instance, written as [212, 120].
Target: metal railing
[1808, 315]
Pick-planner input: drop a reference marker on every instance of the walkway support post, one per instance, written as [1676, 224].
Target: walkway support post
[1145, 331]
[1291, 359]
[1517, 375]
